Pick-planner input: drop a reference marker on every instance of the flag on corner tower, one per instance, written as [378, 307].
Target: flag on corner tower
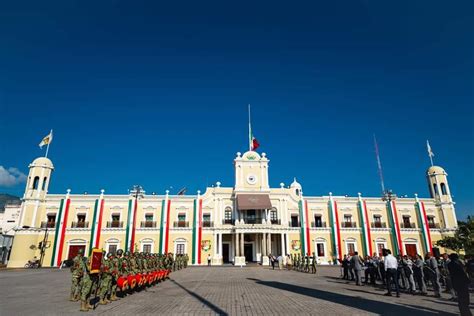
[255, 143]
[46, 140]
[430, 152]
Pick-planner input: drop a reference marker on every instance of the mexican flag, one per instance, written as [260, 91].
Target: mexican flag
[254, 143]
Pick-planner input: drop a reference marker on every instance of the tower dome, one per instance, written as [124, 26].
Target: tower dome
[42, 162]
[434, 170]
[295, 184]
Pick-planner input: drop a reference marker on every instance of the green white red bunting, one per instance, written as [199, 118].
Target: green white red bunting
[425, 229]
[336, 234]
[60, 231]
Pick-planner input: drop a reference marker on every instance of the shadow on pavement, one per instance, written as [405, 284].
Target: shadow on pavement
[372, 306]
[215, 308]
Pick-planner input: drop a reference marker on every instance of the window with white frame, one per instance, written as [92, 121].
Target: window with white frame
[147, 248]
[320, 249]
[180, 248]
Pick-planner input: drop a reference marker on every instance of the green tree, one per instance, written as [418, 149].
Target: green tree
[463, 238]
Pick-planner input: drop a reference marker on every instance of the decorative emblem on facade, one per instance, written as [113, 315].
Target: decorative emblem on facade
[206, 245]
[251, 157]
[295, 245]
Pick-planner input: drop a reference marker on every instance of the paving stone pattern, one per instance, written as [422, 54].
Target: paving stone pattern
[219, 290]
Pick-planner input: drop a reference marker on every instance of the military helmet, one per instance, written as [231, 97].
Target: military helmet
[120, 252]
[127, 253]
[80, 251]
[109, 255]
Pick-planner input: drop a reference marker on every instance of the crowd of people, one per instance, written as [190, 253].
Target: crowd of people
[413, 274]
[121, 273]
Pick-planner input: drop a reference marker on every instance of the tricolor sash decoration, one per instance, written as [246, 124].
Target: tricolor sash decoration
[425, 229]
[60, 231]
[304, 228]
[308, 240]
[396, 237]
[164, 226]
[366, 240]
[134, 225]
[128, 231]
[197, 230]
[336, 234]
[97, 222]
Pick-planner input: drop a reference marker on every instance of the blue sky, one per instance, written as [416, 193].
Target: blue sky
[157, 94]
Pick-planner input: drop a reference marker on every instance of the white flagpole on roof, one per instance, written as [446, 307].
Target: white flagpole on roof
[250, 132]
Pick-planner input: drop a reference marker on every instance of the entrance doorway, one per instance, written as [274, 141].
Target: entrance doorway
[248, 252]
[74, 249]
[410, 250]
[225, 253]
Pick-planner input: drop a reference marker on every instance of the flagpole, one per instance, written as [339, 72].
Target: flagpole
[250, 132]
[47, 149]
[49, 142]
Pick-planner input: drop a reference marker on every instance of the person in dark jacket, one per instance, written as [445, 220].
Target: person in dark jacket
[460, 282]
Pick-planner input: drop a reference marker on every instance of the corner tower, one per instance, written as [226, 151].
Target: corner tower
[441, 193]
[36, 189]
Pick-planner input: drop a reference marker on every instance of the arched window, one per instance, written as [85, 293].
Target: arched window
[435, 189]
[43, 187]
[274, 215]
[297, 192]
[36, 183]
[228, 215]
[443, 189]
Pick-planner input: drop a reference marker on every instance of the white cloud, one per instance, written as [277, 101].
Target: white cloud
[11, 177]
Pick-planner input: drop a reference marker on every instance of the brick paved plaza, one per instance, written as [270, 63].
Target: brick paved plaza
[219, 290]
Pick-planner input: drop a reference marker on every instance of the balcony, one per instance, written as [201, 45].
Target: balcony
[148, 224]
[252, 220]
[275, 221]
[80, 224]
[407, 225]
[181, 224]
[115, 224]
[378, 225]
[294, 224]
[434, 225]
[207, 224]
[318, 224]
[348, 224]
[228, 222]
[48, 224]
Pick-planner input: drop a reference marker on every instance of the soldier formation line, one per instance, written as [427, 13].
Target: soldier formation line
[120, 274]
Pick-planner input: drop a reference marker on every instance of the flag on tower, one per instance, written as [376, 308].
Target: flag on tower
[253, 142]
[47, 139]
[430, 152]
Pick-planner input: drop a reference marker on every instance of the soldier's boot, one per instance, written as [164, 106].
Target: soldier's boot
[113, 297]
[76, 298]
[84, 307]
[102, 302]
[71, 297]
[107, 300]
[88, 304]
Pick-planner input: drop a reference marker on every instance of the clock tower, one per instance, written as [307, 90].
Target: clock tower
[251, 172]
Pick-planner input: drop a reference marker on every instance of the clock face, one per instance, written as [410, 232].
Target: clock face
[251, 179]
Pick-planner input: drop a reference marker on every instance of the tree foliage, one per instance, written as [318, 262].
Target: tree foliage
[463, 238]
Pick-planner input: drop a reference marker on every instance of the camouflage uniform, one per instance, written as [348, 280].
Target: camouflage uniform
[76, 277]
[313, 264]
[104, 281]
[115, 271]
[86, 284]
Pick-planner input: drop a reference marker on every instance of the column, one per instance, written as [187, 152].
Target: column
[242, 245]
[220, 245]
[283, 244]
[236, 238]
[269, 242]
[264, 244]
[215, 244]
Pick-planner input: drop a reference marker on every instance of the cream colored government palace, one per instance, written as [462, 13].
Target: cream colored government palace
[238, 224]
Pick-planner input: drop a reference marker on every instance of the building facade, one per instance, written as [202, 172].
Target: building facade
[238, 224]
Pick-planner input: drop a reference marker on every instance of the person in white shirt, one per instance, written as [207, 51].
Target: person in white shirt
[391, 266]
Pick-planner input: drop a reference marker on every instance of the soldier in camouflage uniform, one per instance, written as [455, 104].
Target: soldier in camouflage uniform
[105, 280]
[186, 259]
[115, 272]
[76, 276]
[306, 266]
[86, 285]
[313, 264]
